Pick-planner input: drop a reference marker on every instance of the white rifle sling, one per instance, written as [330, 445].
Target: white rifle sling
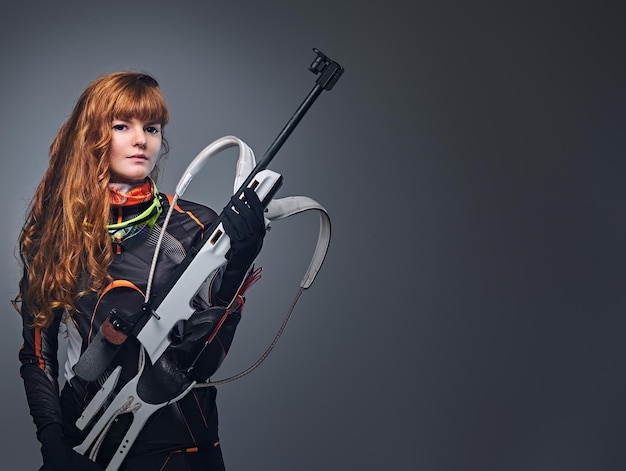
[284, 207]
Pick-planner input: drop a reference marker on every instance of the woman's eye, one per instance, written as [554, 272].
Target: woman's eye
[152, 130]
[119, 127]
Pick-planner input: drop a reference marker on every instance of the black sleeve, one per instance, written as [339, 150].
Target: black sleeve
[39, 369]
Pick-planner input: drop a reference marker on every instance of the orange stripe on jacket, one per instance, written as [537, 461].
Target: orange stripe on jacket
[170, 198]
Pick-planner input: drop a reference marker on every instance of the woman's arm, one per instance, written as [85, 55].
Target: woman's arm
[39, 371]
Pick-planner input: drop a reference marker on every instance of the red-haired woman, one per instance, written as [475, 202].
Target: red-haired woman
[94, 221]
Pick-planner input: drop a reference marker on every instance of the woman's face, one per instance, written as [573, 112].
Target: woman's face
[135, 146]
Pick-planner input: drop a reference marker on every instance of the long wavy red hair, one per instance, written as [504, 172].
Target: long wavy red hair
[64, 246]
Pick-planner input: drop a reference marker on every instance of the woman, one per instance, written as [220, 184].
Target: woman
[88, 243]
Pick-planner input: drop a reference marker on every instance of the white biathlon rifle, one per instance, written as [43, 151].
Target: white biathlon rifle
[153, 324]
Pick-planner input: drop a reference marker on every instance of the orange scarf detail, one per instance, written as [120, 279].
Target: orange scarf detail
[137, 195]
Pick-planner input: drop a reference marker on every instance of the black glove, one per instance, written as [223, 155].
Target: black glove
[58, 456]
[246, 230]
[245, 227]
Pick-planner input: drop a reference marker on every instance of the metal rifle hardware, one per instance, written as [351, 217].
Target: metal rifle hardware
[329, 71]
[151, 329]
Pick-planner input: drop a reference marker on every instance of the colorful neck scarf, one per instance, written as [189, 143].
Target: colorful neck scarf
[144, 193]
[137, 195]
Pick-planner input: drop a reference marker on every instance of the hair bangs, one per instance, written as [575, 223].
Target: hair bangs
[141, 99]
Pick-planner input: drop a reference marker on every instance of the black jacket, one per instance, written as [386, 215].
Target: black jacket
[190, 422]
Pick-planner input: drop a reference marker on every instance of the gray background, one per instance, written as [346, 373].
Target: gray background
[470, 313]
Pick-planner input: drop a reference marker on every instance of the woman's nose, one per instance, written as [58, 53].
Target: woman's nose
[140, 137]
